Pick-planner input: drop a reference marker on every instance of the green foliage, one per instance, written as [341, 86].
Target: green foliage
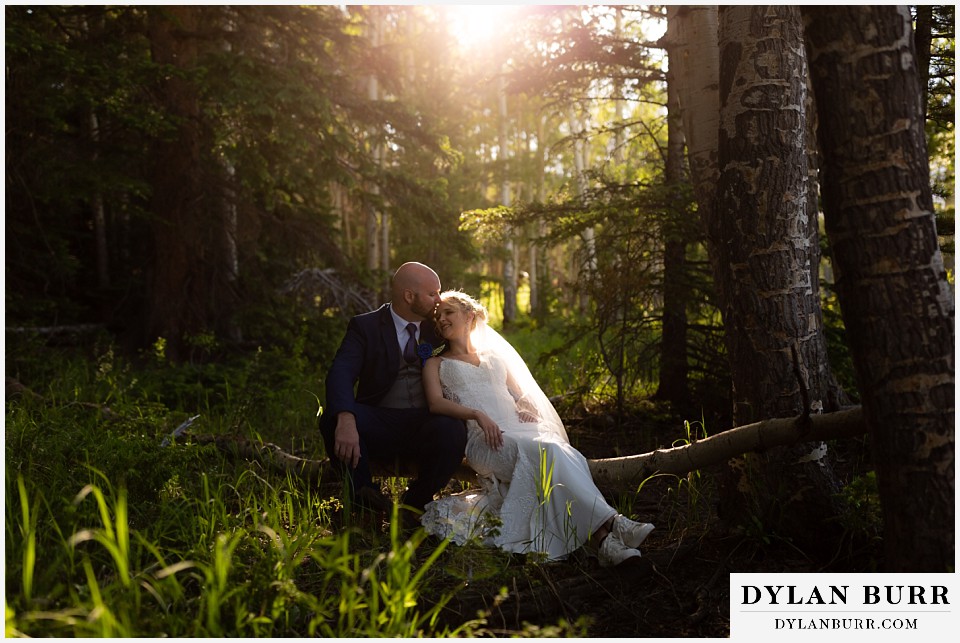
[688, 501]
[861, 497]
[276, 572]
[940, 125]
[279, 120]
[175, 541]
[862, 522]
[564, 364]
[109, 533]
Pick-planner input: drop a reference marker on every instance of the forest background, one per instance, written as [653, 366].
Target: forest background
[198, 197]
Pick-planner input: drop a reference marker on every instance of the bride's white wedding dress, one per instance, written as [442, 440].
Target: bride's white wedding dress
[537, 494]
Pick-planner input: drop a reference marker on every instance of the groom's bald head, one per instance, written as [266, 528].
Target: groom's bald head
[415, 291]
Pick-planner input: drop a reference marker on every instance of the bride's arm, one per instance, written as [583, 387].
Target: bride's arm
[526, 410]
[440, 405]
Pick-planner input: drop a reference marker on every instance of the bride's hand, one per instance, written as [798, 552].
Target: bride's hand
[527, 416]
[491, 431]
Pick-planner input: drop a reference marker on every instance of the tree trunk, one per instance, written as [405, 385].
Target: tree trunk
[766, 245]
[922, 39]
[673, 344]
[99, 212]
[509, 260]
[758, 437]
[695, 64]
[182, 294]
[542, 267]
[767, 241]
[619, 473]
[588, 266]
[371, 219]
[896, 302]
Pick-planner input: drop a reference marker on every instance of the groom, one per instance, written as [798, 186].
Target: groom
[388, 418]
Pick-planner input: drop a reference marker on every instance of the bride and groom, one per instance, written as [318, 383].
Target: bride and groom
[478, 399]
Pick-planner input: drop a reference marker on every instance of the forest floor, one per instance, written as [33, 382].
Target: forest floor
[678, 588]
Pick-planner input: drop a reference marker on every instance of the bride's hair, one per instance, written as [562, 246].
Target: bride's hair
[466, 303]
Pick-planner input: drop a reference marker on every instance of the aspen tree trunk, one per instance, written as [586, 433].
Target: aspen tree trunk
[509, 260]
[755, 219]
[371, 221]
[897, 304]
[542, 264]
[230, 222]
[694, 56]
[536, 195]
[588, 265]
[766, 245]
[618, 95]
[922, 39]
[767, 240]
[673, 344]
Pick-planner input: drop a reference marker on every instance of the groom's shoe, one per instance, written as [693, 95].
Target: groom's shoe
[372, 499]
[631, 533]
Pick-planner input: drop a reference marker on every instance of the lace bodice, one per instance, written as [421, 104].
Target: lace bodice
[481, 387]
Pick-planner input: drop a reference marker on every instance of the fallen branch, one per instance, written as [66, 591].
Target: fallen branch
[626, 470]
[270, 455]
[717, 448]
[631, 469]
[76, 329]
[14, 388]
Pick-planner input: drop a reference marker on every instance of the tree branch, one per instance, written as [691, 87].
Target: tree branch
[632, 469]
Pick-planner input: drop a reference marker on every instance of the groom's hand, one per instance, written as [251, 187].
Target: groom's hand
[346, 440]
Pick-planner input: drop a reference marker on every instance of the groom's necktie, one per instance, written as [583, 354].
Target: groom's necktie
[410, 350]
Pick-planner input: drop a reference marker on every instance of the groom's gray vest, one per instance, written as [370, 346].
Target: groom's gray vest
[407, 389]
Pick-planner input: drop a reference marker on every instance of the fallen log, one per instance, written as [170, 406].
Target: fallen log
[76, 329]
[15, 389]
[757, 437]
[271, 455]
[625, 470]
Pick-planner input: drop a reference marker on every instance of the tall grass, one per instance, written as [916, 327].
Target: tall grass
[277, 573]
[110, 534]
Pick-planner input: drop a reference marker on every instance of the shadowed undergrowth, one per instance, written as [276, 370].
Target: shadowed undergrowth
[108, 533]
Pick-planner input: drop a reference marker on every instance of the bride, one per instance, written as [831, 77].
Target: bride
[537, 494]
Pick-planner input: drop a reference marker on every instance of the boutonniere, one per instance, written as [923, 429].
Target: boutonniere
[426, 350]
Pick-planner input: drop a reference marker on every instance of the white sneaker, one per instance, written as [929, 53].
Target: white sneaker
[631, 533]
[612, 551]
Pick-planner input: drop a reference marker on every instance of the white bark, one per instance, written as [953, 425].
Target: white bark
[694, 54]
[718, 448]
[509, 263]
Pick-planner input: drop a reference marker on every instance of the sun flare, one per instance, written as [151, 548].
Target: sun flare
[474, 25]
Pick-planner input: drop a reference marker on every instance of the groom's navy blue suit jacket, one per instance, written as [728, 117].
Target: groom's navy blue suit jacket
[369, 357]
